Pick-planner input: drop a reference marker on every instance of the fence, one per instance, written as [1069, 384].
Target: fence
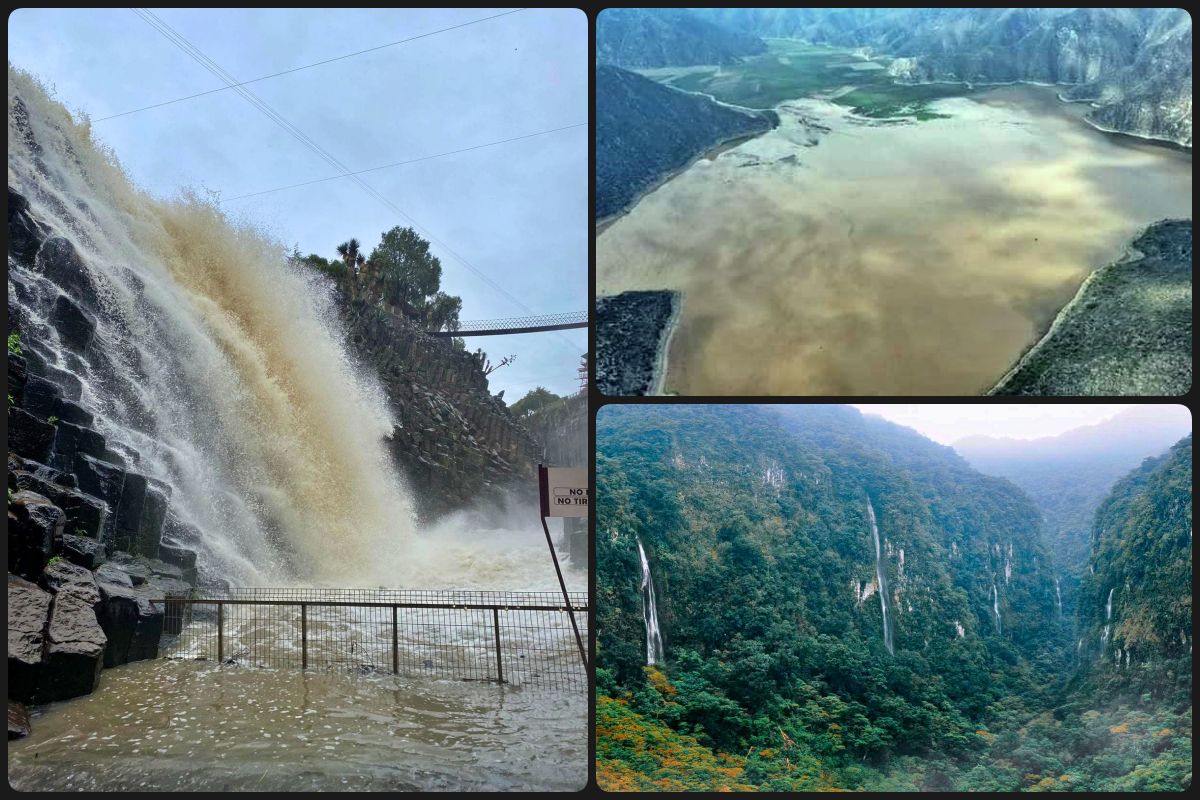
[512, 638]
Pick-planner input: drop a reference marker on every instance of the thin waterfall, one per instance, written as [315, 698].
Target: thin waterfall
[881, 576]
[654, 644]
[996, 608]
[1058, 594]
[1107, 620]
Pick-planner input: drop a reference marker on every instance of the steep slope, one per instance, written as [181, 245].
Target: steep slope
[1135, 608]
[645, 131]
[1135, 64]
[772, 512]
[661, 37]
[1069, 475]
[772, 586]
[1128, 331]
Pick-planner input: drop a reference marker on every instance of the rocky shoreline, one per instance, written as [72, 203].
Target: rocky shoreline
[1098, 344]
[632, 330]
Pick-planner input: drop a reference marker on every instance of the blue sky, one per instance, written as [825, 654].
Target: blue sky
[517, 212]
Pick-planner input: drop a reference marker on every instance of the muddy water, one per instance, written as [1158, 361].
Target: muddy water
[888, 258]
[166, 725]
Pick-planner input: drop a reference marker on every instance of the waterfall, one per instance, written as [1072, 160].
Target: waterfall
[1107, 620]
[214, 367]
[1058, 594]
[996, 607]
[881, 576]
[654, 644]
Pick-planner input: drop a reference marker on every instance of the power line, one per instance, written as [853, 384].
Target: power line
[409, 161]
[197, 55]
[308, 66]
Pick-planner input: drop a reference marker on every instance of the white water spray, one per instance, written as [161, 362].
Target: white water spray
[881, 576]
[215, 363]
[996, 608]
[654, 644]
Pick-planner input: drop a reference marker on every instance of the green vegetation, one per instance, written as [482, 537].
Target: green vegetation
[14, 344]
[776, 676]
[401, 272]
[53, 420]
[791, 70]
[1128, 331]
[535, 400]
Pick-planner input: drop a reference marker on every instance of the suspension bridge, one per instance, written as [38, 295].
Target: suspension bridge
[500, 327]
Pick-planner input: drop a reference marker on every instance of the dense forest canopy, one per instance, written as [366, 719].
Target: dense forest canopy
[778, 673]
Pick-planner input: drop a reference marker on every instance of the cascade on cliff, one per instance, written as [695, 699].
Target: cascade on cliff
[881, 575]
[207, 362]
[654, 644]
[1107, 620]
[996, 607]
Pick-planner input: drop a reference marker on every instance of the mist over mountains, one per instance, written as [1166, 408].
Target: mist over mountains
[1069, 475]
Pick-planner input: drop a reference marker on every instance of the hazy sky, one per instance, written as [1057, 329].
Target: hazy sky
[517, 212]
[947, 423]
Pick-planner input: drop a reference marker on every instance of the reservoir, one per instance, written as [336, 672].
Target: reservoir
[851, 256]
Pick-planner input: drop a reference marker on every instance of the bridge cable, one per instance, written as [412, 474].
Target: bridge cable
[409, 161]
[308, 66]
[197, 55]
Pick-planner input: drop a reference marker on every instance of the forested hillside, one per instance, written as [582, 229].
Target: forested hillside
[1069, 475]
[787, 667]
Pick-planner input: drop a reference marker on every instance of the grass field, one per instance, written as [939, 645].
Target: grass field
[790, 70]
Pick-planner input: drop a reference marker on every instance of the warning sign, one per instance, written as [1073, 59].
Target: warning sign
[564, 491]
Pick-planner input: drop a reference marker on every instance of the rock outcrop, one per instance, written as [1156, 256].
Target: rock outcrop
[455, 442]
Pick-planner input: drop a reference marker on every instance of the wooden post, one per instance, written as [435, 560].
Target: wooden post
[304, 636]
[220, 633]
[499, 660]
[395, 643]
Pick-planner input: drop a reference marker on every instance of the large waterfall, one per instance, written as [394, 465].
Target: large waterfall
[654, 644]
[881, 576]
[215, 367]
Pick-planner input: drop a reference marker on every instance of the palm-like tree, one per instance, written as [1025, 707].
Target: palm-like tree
[349, 253]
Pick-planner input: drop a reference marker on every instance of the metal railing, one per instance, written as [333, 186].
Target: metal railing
[515, 638]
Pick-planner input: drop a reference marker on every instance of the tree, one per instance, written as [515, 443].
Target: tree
[535, 400]
[411, 275]
[349, 251]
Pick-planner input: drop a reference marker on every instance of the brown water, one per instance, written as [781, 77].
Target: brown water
[889, 258]
[167, 725]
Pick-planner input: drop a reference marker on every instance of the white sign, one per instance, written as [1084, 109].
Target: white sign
[564, 491]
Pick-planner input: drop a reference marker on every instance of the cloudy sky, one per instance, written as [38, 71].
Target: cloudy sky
[947, 422]
[516, 212]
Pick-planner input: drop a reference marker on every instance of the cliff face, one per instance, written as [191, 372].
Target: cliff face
[455, 442]
[1135, 64]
